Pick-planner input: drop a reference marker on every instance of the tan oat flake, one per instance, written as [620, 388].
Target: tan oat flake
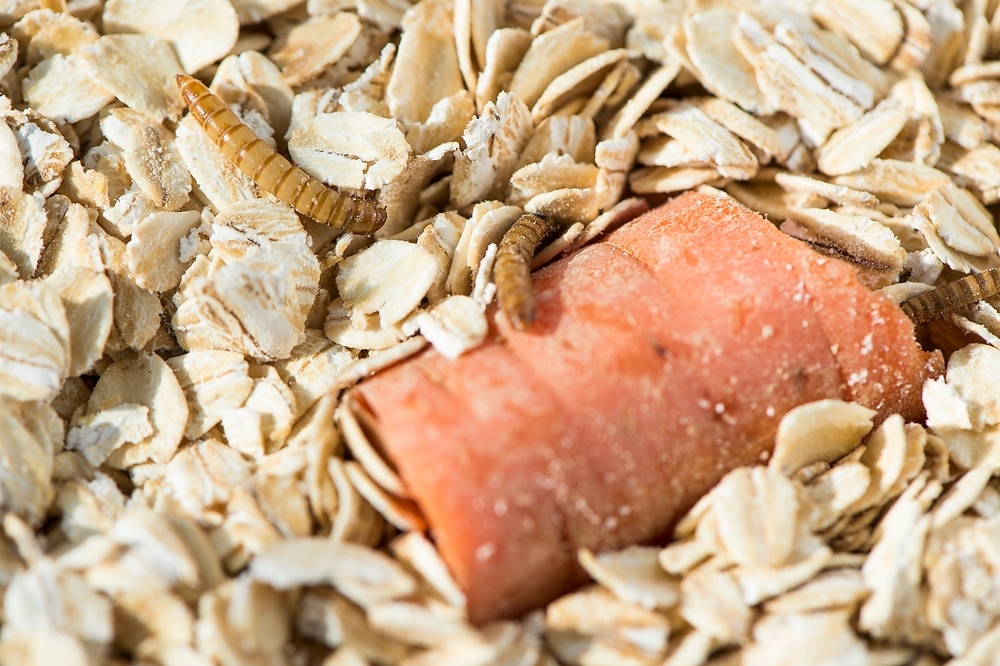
[346, 149]
[428, 36]
[876, 28]
[151, 158]
[154, 251]
[35, 352]
[255, 11]
[87, 299]
[393, 298]
[552, 54]
[259, 293]
[493, 143]
[158, 393]
[139, 70]
[819, 431]
[26, 459]
[61, 88]
[201, 31]
[311, 47]
[720, 67]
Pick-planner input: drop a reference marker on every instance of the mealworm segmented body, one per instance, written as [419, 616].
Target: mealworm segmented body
[952, 296]
[512, 271]
[271, 171]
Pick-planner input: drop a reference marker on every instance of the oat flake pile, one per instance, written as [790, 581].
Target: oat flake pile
[178, 480]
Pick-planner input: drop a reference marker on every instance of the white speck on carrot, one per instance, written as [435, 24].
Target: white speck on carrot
[486, 551]
[866, 345]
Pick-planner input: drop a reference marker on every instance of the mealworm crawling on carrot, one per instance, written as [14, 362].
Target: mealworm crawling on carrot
[952, 296]
[271, 171]
[512, 270]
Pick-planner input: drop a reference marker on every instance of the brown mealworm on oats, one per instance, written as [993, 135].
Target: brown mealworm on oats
[271, 171]
[512, 270]
[952, 296]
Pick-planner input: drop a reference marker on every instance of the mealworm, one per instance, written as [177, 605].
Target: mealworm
[512, 271]
[952, 296]
[271, 171]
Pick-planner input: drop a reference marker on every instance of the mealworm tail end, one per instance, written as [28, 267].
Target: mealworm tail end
[371, 223]
[522, 318]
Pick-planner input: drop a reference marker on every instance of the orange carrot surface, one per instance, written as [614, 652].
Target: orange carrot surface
[661, 358]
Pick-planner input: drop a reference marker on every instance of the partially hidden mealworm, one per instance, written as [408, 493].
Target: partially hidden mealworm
[512, 270]
[952, 296]
[271, 171]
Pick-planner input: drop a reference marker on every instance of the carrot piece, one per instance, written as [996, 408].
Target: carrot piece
[660, 358]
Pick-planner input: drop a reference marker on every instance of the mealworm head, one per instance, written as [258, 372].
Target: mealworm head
[512, 270]
[953, 296]
[188, 90]
[271, 171]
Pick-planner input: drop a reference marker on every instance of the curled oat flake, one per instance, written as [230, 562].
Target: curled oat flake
[819, 431]
[592, 622]
[361, 574]
[854, 237]
[402, 514]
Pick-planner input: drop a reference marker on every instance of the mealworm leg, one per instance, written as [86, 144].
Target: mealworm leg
[512, 270]
[271, 171]
[952, 296]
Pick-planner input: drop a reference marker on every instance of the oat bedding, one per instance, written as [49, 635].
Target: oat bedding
[180, 482]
